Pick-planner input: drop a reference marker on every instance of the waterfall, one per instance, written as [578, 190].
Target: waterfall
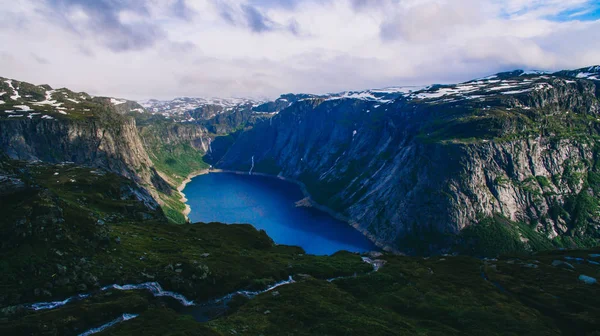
[122, 318]
[250, 172]
[209, 145]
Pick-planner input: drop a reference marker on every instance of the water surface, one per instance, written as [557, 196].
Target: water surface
[269, 204]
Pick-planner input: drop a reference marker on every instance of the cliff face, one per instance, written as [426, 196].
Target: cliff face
[114, 146]
[423, 165]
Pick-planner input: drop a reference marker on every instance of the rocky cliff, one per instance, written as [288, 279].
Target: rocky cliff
[114, 146]
[434, 162]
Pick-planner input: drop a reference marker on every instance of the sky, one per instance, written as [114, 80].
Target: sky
[141, 49]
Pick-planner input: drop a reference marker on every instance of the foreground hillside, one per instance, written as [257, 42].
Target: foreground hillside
[70, 230]
[507, 162]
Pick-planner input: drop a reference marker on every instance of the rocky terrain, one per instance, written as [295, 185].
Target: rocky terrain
[418, 171]
[192, 109]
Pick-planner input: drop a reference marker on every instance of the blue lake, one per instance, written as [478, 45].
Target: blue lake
[269, 204]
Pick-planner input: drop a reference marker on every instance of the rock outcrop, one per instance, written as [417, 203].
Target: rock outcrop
[114, 146]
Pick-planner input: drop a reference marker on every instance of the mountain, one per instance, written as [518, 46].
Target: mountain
[422, 171]
[500, 172]
[190, 109]
[39, 123]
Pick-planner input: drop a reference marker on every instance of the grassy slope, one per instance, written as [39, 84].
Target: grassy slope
[174, 159]
[436, 296]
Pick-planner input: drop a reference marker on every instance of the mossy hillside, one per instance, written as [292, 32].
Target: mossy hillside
[173, 147]
[77, 230]
[432, 296]
[209, 260]
[54, 214]
[161, 321]
[174, 151]
[76, 317]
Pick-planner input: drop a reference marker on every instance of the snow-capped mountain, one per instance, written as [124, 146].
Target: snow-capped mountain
[25, 100]
[183, 105]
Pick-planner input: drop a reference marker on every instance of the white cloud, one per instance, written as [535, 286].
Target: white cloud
[163, 49]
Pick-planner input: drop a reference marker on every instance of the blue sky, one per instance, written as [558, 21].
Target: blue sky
[141, 49]
[588, 12]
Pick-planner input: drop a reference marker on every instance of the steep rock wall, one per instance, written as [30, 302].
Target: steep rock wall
[412, 169]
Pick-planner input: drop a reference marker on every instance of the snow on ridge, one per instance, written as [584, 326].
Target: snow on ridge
[594, 68]
[182, 105]
[399, 89]
[588, 75]
[534, 72]
[516, 91]
[48, 100]
[23, 108]
[16, 95]
[117, 101]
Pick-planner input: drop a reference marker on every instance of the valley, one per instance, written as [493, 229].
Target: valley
[483, 196]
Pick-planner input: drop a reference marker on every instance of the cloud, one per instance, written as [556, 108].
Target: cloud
[256, 20]
[165, 48]
[119, 25]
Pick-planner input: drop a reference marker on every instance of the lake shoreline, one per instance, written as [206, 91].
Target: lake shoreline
[182, 186]
[308, 200]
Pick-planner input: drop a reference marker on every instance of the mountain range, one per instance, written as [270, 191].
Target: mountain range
[484, 197]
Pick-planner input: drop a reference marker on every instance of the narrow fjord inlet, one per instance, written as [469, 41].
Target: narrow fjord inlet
[270, 204]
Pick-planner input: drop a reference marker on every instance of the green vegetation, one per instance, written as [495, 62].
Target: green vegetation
[61, 237]
[170, 147]
[174, 157]
[434, 296]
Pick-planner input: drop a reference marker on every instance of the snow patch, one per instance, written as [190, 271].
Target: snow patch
[24, 108]
[16, 95]
[117, 101]
[516, 91]
[48, 100]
